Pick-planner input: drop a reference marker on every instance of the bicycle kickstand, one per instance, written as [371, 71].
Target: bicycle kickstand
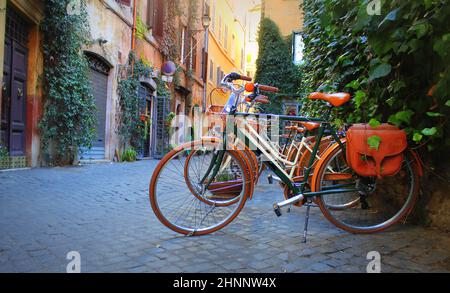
[270, 178]
[305, 230]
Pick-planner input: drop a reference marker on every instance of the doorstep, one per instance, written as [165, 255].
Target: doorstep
[93, 162]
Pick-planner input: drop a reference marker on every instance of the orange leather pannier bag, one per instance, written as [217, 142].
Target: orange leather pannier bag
[370, 162]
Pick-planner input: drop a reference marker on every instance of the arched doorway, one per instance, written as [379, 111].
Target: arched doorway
[99, 75]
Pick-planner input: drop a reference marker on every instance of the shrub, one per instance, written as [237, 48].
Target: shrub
[129, 155]
[388, 62]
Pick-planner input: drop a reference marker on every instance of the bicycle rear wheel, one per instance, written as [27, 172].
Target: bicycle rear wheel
[383, 203]
[226, 183]
[205, 210]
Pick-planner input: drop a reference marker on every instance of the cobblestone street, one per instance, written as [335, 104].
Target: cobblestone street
[103, 212]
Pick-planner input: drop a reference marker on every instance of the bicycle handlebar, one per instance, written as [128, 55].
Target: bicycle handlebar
[245, 78]
[267, 88]
[236, 76]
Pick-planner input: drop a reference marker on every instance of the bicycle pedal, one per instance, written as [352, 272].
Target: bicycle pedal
[277, 210]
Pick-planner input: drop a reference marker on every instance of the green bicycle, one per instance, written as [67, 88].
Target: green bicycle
[208, 193]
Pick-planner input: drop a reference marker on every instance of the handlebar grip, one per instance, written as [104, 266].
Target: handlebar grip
[267, 88]
[245, 78]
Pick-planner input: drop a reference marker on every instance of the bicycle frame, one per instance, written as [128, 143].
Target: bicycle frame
[271, 154]
[270, 151]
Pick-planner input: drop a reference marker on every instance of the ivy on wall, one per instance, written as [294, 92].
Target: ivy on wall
[130, 126]
[389, 63]
[274, 63]
[69, 117]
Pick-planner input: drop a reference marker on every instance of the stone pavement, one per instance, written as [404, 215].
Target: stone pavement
[103, 212]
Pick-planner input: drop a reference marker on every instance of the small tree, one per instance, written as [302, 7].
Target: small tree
[274, 63]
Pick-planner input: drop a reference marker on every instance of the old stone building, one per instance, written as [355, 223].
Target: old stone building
[204, 38]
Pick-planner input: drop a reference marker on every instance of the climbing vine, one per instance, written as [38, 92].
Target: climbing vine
[396, 65]
[131, 128]
[69, 117]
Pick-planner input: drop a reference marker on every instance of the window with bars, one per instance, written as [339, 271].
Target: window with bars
[16, 27]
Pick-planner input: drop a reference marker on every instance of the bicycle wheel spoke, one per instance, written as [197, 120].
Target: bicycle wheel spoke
[379, 203]
[184, 203]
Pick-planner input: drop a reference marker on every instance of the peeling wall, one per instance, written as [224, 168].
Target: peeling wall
[110, 32]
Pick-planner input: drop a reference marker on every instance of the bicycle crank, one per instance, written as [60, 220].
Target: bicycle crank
[278, 206]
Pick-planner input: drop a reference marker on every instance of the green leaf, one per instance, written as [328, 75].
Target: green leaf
[363, 18]
[339, 122]
[374, 142]
[381, 70]
[434, 114]
[353, 84]
[401, 117]
[374, 123]
[421, 29]
[404, 116]
[441, 46]
[390, 101]
[359, 98]
[429, 131]
[417, 137]
[397, 85]
[447, 103]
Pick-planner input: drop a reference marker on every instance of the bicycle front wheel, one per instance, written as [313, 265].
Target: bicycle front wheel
[188, 206]
[379, 203]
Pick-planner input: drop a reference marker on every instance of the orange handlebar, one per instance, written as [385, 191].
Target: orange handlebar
[267, 88]
[245, 78]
